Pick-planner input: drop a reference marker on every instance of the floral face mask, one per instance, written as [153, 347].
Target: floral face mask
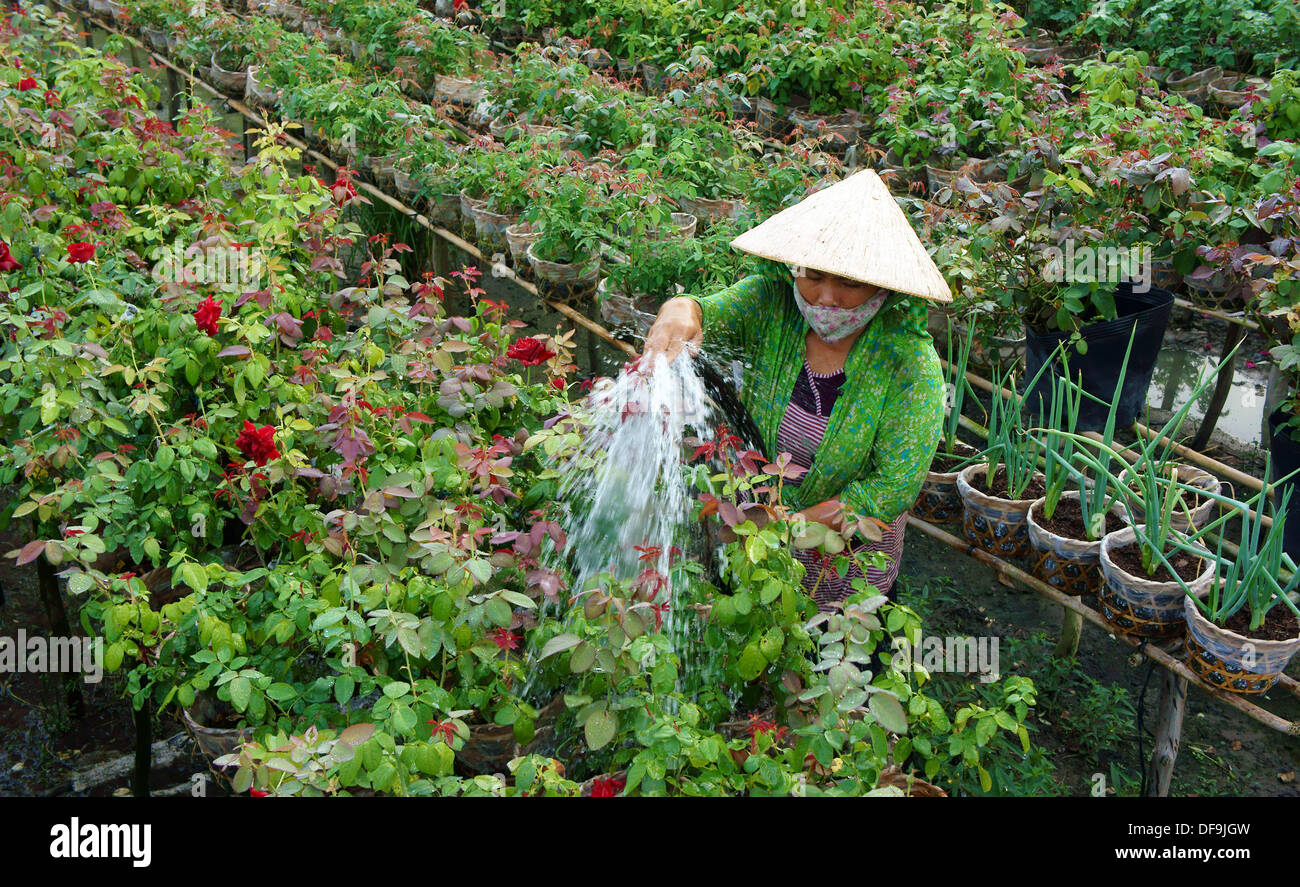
[831, 324]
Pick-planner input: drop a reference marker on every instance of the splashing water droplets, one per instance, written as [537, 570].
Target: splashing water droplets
[627, 502]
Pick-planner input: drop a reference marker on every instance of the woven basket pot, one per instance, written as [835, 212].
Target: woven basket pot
[445, 209]
[771, 122]
[467, 205]
[232, 82]
[214, 742]
[563, 281]
[1191, 476]
[710, 211]
[255, 92]
[383, 166]
[1194, 87]
[999, 526]
[518, 239]
[407, 186]
[490, 228]
[459, 90]
[1136, 606]
[157, 39]
[1219, 657]
[939, 500]
[1072, 566]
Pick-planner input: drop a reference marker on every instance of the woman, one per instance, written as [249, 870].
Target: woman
[842, 374]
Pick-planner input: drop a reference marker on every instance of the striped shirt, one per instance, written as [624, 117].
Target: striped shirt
[800, 434]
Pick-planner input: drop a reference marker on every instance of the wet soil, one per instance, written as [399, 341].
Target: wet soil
[1129, 559]
[1279, 625]
[1067, 520]
[1034, 490]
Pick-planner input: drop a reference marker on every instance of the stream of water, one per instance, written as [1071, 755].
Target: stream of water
[627, 503]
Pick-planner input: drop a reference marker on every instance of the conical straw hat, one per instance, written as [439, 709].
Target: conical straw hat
[852, 229]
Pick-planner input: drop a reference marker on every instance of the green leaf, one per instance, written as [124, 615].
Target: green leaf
[499, 612]
[396, 689]
[582, 658]
[240, 690]
[600, 729]
[888, 712]
[195, 576]
[344, 686]
[558, 644]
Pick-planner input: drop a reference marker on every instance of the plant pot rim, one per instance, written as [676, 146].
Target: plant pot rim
[1129, 534]
[593, 261]
[964, 480]
[1040, 534]
[948, 476]
[1194, 613]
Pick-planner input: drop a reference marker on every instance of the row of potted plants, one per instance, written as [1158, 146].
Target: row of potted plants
[1128, 524]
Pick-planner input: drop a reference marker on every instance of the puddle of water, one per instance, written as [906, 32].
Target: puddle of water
[1176, 373]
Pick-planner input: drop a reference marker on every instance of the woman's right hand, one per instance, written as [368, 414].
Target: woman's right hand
[679, 325]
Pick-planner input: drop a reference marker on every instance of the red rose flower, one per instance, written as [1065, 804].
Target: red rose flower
[258, 793]
[558, 384]
[206, 315]
[257, 444]
[7, 261]
[529, 351]
[80, 252]
[26, 83]
[607, 787]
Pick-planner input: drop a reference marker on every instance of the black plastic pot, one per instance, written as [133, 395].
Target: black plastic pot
[1284, 455]
[1107, 341]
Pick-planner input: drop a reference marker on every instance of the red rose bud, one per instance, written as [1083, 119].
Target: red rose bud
[529, 351]
[26, 83]
[205, 317]
[558, 384]
[7, 261]
[257, 444]
[80, 252]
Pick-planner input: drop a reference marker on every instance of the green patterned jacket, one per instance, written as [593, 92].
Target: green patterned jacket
[884, 427]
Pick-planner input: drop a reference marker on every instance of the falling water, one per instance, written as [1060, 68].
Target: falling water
[636, 494]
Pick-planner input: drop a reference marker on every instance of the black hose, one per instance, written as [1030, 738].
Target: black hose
[1142, 700]
[724, 394]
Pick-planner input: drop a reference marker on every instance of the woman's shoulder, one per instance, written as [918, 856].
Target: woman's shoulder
[908, 340]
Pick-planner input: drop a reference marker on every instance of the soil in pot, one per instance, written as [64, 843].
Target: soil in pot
[946, 463]
[1279, 625]
[1067, 520]
[1129, 559]
[1035, 490]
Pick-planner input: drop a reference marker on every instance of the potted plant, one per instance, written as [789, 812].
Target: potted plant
[571, 211]
[1244, 632]
[1026, 252]
[1066, 528]
[998, 491]
[1145, 566]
